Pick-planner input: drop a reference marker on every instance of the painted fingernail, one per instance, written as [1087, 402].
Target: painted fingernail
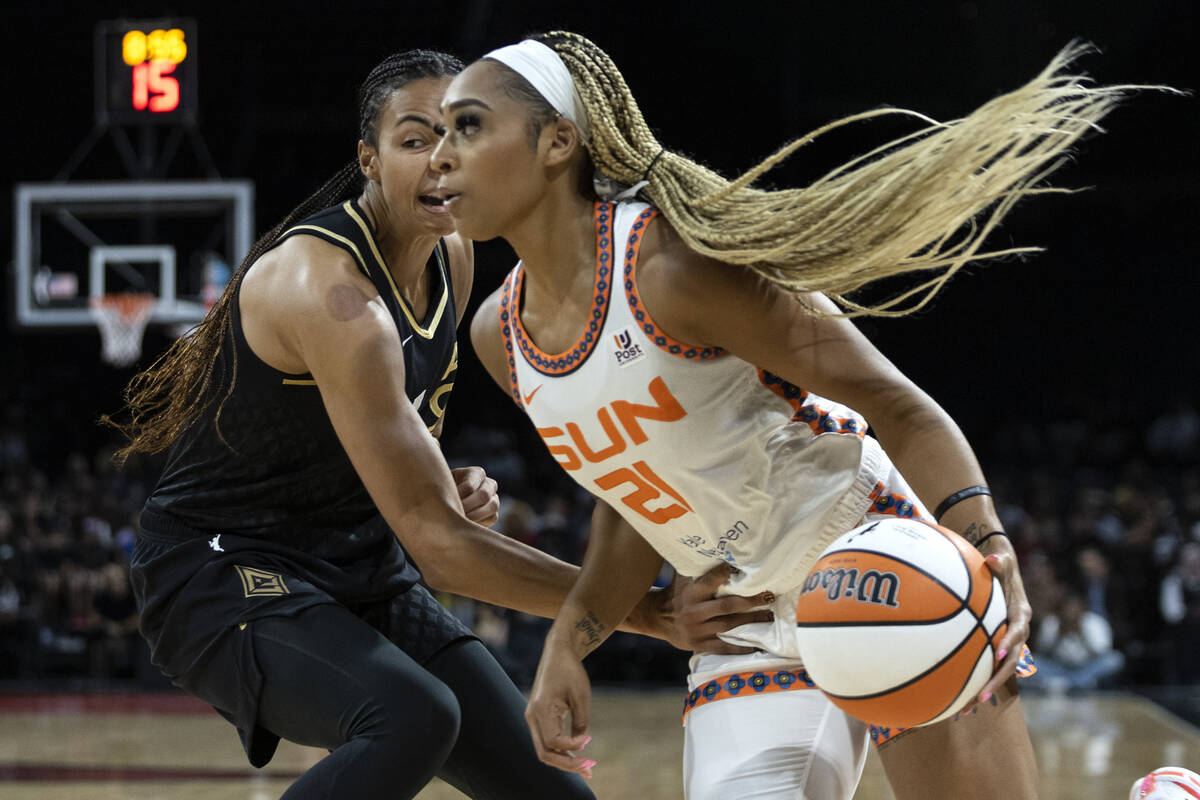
[1000, 656]
[585, 743]
[987, 696]
[589, 764]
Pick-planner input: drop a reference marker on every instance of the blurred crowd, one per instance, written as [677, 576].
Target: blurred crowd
[66, 606]
[1104, 511]
[1103, 507]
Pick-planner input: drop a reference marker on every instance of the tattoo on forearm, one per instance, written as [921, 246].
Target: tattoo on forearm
[974, 533]
[591, 628]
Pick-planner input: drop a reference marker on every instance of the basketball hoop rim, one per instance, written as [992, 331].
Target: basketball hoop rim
[121, 318]
[131, 306]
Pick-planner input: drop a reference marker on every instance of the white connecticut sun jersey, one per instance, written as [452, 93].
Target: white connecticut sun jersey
[710, 458]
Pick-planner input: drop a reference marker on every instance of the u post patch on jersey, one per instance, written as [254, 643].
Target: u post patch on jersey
[626, 350]
[260, 582]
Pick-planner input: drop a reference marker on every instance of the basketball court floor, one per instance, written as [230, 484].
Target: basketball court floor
[152, 746]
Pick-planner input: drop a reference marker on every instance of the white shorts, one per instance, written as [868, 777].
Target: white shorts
[792, 745]
[773, 735]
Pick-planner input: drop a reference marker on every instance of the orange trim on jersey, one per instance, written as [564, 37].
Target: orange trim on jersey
[572, 359]
[506, 332]
[812, 415]
[897, 505]
[751, 683]
[657, 335]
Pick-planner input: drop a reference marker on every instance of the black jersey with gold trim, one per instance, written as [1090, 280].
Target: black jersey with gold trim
[430, 346]
[274, 467]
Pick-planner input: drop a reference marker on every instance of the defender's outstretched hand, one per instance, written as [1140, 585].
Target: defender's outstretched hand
[695, 614]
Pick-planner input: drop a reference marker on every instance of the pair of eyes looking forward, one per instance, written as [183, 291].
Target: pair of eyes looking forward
[465, 124]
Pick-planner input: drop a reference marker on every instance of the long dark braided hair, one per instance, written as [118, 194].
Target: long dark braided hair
[183, 382]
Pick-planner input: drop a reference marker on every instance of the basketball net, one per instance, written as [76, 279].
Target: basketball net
[122, 319]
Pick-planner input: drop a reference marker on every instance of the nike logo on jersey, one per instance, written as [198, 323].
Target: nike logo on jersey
[529, 397]
[406, 341]
[417, 400]
[215, 543]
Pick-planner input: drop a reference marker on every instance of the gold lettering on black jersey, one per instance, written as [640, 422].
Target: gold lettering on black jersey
[437, 400]
[453, 365]
[260, 583]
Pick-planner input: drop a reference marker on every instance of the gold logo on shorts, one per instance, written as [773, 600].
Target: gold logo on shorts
[260, 583]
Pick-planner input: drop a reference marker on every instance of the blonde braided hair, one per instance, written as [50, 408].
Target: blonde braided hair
[923, 202]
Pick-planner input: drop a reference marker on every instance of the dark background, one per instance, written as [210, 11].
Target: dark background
[1106, 315]
[1072, 371]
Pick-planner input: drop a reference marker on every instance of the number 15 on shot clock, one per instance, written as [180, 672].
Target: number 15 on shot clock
[146, 71]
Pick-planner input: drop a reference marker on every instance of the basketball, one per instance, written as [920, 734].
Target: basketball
[898, 622]
[1167, 783]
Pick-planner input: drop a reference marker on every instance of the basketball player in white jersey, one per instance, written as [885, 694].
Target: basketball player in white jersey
[666, 381]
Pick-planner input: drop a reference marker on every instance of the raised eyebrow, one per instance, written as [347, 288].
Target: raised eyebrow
[468, 101]
[415, 118]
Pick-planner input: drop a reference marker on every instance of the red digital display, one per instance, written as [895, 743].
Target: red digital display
[146, 70]
[152, 90]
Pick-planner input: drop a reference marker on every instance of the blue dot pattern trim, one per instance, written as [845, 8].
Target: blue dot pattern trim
[569, 361]
[660, 339]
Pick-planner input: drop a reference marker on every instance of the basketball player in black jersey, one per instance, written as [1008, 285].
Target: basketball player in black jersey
[269, 571]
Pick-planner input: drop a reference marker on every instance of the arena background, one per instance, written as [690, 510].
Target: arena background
[1060, 366]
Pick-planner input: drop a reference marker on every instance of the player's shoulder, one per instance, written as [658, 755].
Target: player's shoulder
[665, 257]
[485, 325]
[678, 286]
[487, 337]
[298, 273]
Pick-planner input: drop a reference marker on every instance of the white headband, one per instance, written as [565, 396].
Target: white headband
[542, 67]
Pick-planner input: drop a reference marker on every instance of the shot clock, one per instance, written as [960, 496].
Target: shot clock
[146, 71]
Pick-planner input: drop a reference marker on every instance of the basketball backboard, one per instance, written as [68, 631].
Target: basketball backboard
[177, 240]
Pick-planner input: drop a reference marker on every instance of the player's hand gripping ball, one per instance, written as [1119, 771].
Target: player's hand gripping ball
[899, 621]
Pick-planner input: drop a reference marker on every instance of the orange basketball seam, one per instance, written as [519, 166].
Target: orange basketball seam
[958, 650]
[986, 643]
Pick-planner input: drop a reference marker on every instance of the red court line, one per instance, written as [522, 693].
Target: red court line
[61, 772]
[103, 703]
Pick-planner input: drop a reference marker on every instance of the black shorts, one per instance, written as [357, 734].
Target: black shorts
[193, 592]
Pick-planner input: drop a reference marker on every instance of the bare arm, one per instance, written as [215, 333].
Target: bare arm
[313, 311]
[706, 303]
[618, 569]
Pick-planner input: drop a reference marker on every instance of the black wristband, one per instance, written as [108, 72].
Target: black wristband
[983, 539]
[958, 497]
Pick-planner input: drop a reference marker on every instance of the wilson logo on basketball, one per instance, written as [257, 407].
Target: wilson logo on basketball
[872, 586]
[628, 351]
